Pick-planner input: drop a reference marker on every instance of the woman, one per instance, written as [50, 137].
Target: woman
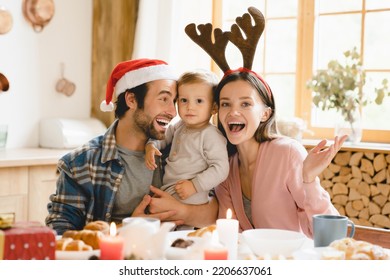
[272, 181]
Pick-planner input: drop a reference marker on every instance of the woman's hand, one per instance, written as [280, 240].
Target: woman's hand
[319, 158]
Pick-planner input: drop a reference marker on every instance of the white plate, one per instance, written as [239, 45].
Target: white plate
[195, 251]
[76, 255]
[173, 235]
[191, 252]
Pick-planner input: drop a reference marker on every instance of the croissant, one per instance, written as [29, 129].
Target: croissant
[90, 237]
[359, 250]
[202, 231]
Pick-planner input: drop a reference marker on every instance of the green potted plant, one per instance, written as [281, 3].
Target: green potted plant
[340, 87]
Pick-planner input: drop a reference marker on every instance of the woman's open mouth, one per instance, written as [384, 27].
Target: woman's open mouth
[236, 126]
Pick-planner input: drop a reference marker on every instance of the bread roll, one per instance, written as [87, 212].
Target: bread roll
[77, 245]
[62, 243]
[90, 237]
[69, 244]
[99, 226]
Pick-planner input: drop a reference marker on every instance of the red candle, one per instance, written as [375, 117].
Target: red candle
[216, 250]
[216, 254]
[111, 247]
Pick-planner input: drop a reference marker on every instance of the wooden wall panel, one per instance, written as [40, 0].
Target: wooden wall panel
[359, 185]
[112, 42]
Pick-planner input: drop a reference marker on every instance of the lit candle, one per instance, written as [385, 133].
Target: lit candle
[216, 251]
[111, 247]
[228, 234]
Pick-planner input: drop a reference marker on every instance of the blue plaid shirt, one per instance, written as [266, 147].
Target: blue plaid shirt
[89, 178]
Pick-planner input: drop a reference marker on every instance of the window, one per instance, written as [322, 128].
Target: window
[300, 37]
[275, 57]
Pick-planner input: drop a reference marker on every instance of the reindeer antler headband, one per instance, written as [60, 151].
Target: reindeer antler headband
[246, 46]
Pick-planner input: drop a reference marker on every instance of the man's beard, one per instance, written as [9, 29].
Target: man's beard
[145, 124]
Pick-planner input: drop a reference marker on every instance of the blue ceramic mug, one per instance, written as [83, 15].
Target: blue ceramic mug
[328, 228]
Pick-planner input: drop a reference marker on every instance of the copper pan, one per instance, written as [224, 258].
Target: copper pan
[4, 84]
[65, 86]
[38, 13]
[6, 20]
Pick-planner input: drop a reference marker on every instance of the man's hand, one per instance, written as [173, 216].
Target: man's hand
[185, 189]
[139, 211]
[162, 202]
[190, 214]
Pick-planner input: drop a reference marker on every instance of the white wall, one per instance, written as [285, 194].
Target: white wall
[31, 62]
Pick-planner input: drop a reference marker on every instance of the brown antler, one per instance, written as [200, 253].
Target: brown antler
[247, 46]
[215, 50]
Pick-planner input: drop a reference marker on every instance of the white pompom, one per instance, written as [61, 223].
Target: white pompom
[106, 107]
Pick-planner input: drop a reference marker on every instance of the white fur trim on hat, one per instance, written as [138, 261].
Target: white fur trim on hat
[104, 107]
[143, 75]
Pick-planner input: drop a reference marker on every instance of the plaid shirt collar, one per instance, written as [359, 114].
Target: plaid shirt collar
[109, 144]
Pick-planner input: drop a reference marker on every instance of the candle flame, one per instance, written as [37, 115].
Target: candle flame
[112, 229]
[229, 214]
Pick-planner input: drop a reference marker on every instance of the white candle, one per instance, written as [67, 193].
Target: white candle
[228, 234]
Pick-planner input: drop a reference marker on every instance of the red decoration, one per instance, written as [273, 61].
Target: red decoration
[27, 241]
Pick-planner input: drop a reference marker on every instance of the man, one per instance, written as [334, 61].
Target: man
[106, 179]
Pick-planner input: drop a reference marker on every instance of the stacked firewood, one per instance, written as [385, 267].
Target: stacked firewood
[359, 186]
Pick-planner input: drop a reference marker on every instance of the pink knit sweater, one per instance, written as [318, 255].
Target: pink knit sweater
[280, 199]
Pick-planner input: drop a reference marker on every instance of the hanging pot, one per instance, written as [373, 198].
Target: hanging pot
[4, 84]
[5, 20]
[38, 13]
[65, 86]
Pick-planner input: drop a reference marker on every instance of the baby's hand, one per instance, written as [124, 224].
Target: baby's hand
[185, 189]
[150, 152]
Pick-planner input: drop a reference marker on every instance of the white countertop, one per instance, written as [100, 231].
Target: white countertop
[30, 156]
[362, 146]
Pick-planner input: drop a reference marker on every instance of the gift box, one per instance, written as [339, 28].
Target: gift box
[27, 241]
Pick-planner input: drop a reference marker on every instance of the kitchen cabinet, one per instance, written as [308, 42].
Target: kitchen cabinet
[13, 191]
[27, 179]
[42, 183]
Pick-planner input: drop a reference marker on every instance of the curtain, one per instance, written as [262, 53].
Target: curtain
[113, 32]
[160, 32]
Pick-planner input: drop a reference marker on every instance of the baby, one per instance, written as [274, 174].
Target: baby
[198, 159]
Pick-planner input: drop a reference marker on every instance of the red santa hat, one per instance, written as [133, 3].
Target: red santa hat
[132, 73]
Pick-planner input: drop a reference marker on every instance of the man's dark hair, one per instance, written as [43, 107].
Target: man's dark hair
[139, 94]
